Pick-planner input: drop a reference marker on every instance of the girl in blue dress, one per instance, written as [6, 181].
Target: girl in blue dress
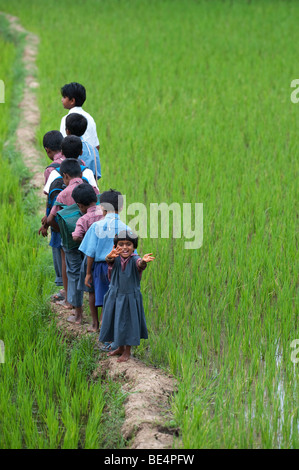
[123, 314]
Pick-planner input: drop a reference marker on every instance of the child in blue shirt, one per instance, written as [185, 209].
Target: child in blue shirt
[98, 242]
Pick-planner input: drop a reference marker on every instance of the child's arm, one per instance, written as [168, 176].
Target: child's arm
[51, 220]
[43, 230]
[88, 277]
[77, 239]
[142, 262]
[79, 232]
[114, 253]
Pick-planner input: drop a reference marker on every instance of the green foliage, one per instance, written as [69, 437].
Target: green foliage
[47, 399]
[192, 104]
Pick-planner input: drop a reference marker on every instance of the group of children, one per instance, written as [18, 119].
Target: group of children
[93, 250]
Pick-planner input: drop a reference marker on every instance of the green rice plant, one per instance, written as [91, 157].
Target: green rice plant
[45, 401]
[192, 104]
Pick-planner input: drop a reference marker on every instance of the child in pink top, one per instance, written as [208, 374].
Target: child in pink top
[86, 200]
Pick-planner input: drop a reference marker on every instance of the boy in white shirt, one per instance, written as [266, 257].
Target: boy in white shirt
[73, 98]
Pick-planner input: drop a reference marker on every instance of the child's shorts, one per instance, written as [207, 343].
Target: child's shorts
[100, 281]
[81, 283]
[73, 261]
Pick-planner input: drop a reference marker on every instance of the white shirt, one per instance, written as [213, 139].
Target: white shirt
[90, 134]
[87, 173]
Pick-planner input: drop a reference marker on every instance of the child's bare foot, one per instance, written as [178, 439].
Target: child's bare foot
[117, 352]
[124, 357]
[59, 296]
[92, 328]
[74, 319]
[65, 304]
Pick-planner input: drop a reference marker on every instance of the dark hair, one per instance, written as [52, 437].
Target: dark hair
[71, 146]
[126, 235]
[52, 140]
[84, 194]
[74, 90]
[71, 166]
[76, 124]
[111, 200]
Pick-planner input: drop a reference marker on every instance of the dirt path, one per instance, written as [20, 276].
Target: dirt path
[147, 408]
[30, 116]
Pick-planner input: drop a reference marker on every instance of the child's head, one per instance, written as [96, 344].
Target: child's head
[52, 143]
[71, 146]
[84, 196]
[70, 169]
[127, 241]
[111, 201]
[73, 94]
[75, 124]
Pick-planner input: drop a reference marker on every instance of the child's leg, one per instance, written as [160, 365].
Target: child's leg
[117, 352]
[73, 261]
[126, 354]
[77, 318]
[123, 351]
[101, 284]
[64, 279]
[56, 254]
[93, 311]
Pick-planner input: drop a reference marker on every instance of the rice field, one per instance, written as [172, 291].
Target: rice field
[192, 101]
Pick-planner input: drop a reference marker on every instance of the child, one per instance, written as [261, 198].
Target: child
[86, 200]
[71, 173]
[76, 124]
[52, 144]
[98, 242]
[123, 318]
[71, 147]
[73, 98]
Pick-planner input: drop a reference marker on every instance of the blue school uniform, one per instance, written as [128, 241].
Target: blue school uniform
[89, 152]
[98, 240]
[123, 314]
[97, 243]
[73, 261]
